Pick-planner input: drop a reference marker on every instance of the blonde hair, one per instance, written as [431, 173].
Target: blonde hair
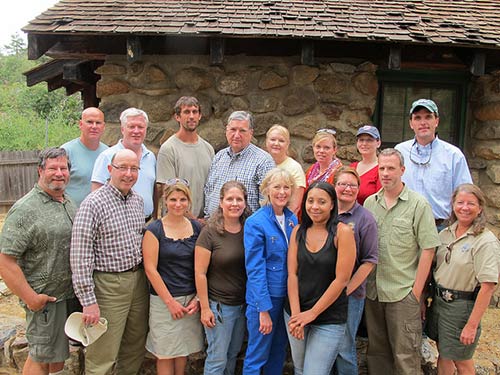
[178, 186]
[281, 130]
[324, 135]
[347, 170]
[479, 223]
[276, 174]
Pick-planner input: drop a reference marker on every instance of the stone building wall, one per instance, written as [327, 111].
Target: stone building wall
[281, 90]
[484, 142]
[275, 90]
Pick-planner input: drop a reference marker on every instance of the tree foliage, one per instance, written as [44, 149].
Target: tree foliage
[28, 114]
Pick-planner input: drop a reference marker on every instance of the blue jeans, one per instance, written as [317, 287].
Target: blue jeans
[266, 353]
[316, 354]
[225, 339]
[347, 360]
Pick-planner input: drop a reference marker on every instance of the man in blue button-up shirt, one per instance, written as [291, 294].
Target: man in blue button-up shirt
[434, 168]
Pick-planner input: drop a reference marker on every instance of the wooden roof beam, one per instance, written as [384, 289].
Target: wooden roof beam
[81, 72]
[478, 64]
[307, 53]
[134, 49]
[45, 72]
[217, 50]
[394, 62]
[39, 44]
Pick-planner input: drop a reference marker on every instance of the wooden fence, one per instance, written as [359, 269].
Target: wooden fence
[18, 175]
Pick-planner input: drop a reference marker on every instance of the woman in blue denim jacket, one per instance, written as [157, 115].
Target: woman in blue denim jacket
[266, 236]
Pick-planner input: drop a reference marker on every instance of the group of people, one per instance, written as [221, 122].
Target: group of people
[214, 248]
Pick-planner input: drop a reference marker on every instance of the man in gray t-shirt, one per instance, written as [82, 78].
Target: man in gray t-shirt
[185, 155]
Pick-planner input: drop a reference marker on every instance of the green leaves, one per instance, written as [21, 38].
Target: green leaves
[25, 111]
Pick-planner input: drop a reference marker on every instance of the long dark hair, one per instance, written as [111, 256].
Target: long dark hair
[217, 219]
[306, 222]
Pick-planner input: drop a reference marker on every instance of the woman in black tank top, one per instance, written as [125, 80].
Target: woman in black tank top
[320, 261]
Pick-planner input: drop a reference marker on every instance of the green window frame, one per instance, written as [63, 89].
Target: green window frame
[398, 89]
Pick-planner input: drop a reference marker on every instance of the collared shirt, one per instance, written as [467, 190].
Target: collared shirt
[472, 259]
[145, 180]
[107, 237]
[248, 166]
[82, 163]
[438, 178]
[37, 232]
[365, 230]
[403, 231]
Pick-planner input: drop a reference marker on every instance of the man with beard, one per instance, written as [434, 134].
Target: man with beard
[34, 262]
[185, 155]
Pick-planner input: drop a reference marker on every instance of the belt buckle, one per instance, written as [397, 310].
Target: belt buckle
[447, 296]
[136, 267]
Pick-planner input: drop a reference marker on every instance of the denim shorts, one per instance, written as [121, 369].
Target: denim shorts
[45, 333]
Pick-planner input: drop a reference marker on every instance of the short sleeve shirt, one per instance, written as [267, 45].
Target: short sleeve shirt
[248, 166]
[226, 275]
[365, 231]
[403, 231]
[37, 232]
[473, 259]
[295, 169]
[82, 163]
[190, 161]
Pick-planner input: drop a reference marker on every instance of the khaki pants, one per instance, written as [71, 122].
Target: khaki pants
[394, 337]
[123, 300]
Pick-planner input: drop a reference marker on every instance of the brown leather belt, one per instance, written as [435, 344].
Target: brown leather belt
[135, 268]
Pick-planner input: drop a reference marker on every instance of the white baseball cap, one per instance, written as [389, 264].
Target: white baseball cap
[77, 330]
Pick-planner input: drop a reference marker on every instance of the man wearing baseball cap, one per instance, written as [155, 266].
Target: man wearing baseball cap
[434, 168]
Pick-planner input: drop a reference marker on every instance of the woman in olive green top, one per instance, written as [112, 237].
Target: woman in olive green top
[466, 274]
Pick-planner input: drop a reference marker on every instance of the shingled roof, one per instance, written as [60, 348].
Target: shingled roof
[443, 22]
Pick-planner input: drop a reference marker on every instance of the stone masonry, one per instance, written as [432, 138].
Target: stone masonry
[281, 90]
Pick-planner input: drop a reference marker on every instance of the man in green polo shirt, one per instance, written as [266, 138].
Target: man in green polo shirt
[407, 242]
[34, 262]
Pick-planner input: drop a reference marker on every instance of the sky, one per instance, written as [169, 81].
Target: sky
[17, 13]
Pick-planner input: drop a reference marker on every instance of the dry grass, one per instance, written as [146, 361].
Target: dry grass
[488, 349]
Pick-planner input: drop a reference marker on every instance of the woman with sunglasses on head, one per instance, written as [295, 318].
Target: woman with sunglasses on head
[175, 330]
[367, 143]
[321, 257]
[324, 146]
[266, 237]
[221, 278]
[465, 276]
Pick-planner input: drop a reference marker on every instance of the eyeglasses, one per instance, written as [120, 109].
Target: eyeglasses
[125, 169]
[447, 256]
[417, 161]
[345, 185]
[173, 181]
[329, 131]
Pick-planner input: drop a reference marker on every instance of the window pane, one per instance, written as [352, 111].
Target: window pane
[396, 103]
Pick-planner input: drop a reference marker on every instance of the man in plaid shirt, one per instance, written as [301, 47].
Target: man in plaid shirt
[241, 161]
[108, 276]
